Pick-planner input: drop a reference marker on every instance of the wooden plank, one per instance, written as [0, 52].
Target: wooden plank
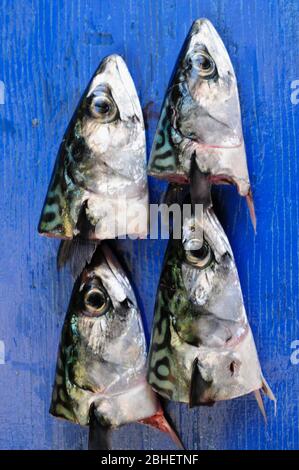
[49, 51]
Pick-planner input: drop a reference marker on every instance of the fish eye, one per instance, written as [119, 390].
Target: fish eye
[204, 63]
[202, 257]
[96, 302]
[103, 108]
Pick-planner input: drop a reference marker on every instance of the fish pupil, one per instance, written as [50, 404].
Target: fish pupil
[102, 107]
[96, 300]
[201, 253]
[204, 63]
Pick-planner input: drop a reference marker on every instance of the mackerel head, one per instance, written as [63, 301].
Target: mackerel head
[101, 368]
[200, 119]
[202, 348]
[99, 182]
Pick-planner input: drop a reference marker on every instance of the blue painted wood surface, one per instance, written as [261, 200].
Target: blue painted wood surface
[48, 52]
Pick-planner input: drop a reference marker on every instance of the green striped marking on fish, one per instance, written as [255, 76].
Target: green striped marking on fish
[55, 218]
[63, 201]
[163, 157]
[61, 405]
[161, 367]
[166, 373]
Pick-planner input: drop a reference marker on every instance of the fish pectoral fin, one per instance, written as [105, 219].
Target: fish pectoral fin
[175, 194]
[84, 226]
[99, 437]
[250, 204]
[160, 422]
[199, 393]
[268, 392]
[76, 253]
[260, 403]
[200, 186]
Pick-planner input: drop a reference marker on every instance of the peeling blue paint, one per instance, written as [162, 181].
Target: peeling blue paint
[99, 39]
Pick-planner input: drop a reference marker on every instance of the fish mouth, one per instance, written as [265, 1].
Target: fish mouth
[112, 62]
[199, 23]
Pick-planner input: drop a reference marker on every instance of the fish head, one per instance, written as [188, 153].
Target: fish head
[201, 115]
[202, 347]
[102, 157]
[110, 122]
[204, 92]
[108, 327]
[207, 286]
[103, 350]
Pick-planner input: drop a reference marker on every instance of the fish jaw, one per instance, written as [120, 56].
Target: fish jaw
[201, 117]
[100, 171]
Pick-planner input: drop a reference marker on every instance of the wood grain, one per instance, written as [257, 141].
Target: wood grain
[48, 52]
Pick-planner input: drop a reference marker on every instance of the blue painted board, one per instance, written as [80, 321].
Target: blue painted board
[48, 52]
